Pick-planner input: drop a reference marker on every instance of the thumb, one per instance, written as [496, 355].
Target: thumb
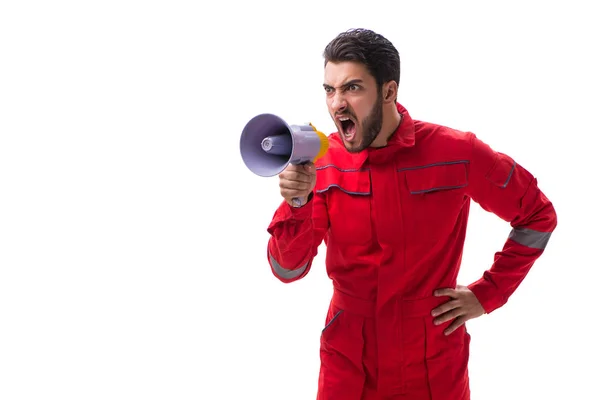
[309, 167]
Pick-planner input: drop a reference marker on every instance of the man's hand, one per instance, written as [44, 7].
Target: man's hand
[297, 181]
[462, 307]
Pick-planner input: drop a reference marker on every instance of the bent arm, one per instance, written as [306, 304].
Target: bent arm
[502, 186]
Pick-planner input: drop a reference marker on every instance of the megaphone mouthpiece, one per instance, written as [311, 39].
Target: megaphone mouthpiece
[278, 144]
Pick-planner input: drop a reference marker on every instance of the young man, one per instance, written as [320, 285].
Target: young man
[391, 200]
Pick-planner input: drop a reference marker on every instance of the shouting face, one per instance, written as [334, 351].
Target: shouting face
[354, 102]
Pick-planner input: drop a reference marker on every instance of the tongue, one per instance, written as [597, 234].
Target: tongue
[350, 131]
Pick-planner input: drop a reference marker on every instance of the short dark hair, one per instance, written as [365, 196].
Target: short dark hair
[371, 49]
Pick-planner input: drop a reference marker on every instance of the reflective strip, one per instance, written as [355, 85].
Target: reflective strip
[434, 165]
[342, 169]
[510, 174]
[530, 238]
[338, 186]
[284, 272]
[438, 188]
[343, 190]
[332, 319]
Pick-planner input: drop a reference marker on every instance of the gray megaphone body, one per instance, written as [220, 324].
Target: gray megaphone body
[268, 145]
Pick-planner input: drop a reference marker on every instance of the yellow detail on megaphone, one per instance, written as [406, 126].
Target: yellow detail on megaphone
[324, 143]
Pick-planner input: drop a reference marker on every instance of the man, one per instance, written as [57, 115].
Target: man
[391, 200]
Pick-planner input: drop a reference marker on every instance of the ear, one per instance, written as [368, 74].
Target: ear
[389, 92]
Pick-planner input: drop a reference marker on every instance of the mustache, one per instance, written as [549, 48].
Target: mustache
[345, 114]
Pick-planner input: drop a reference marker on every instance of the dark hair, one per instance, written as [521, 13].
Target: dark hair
[377, 53]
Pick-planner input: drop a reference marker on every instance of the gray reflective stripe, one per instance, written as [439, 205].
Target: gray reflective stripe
[530, 238]
[433, 165]
[338, 186]
[343, 169]
[510, 175]
[284, 272]
[438, 188]
[343, 190]
[332, 319]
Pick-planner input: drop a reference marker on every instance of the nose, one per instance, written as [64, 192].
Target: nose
[338, 103]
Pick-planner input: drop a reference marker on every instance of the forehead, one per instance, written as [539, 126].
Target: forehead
[338, 73]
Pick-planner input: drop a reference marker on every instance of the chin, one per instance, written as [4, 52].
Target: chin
[354, 147]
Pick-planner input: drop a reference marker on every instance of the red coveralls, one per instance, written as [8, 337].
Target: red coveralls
[394, 222]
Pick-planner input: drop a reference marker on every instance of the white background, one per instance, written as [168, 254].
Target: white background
[133, 238]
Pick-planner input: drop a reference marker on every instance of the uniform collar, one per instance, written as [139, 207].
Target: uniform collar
[404, 135]
[402, 138]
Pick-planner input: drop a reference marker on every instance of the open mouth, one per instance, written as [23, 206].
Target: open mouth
[348, 128]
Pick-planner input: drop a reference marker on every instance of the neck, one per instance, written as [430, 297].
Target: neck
[391, 120]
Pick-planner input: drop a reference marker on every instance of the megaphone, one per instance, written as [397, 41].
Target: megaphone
[268, 145]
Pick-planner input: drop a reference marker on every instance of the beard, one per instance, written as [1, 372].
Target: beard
[371, 126]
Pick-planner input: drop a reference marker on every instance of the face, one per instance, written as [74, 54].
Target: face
[354, 103]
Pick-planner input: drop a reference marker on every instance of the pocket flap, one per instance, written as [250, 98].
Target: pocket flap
[351, 181]
[502, 170]
[436, 177]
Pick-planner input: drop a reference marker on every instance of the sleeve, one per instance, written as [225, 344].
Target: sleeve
[296, 234]
[502, 186]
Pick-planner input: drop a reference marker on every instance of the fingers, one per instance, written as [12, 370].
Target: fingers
[294, 184]
[446, 292]
[450, 315]
[455, 324]
[297, 181]
[450, 305]
[463, 307]
[309, 168]
[295, 172]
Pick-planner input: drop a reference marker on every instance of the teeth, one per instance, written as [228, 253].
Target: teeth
[344, 118]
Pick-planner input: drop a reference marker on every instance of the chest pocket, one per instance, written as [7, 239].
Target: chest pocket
[348, 193]
[440, 177]
[435, 197]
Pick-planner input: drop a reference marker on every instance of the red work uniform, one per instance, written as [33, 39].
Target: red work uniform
[394, 221]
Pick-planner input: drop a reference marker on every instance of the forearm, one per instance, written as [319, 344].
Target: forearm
[510, 267]
[525, 244]
[295, 237]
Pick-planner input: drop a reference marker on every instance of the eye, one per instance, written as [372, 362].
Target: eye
[328, 89]
[353, 87]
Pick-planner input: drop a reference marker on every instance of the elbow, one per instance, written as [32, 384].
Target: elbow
[535, 230]
[553, 218]
[539, 214]
[549, 216]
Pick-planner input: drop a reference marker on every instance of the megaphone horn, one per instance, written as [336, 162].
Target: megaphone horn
[268, 144]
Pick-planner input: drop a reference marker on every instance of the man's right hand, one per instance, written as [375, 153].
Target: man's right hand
[297, 181]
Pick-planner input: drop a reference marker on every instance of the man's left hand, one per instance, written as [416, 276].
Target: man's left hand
[462, 307]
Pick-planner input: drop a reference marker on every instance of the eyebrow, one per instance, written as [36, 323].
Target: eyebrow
[351, 82]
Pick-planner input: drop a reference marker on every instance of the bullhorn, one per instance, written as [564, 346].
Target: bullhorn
[268, 145]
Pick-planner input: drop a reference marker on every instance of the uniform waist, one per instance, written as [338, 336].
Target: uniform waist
[353, 305]
[408, 308]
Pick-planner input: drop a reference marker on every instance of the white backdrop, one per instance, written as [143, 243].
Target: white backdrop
[133, 239]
